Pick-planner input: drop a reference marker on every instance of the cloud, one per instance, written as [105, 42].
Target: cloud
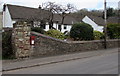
[89, 4]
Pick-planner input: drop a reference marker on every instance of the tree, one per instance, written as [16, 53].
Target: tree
[81, 31]
[79, 14]
[51, 7]
[110, 12]
[61, 10]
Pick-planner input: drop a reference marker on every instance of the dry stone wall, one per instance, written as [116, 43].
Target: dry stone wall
[21, 39]
[48, 46]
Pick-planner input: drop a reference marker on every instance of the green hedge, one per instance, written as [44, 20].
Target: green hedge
[38, 29]
[113, 31]
[81, 31]
[7, 50]
[98, 35]
[56, 34]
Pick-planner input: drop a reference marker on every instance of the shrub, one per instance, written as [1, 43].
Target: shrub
[113, 31]
[98, 35]
[67, 34]
[81, 31]
[38, 29]
[7, 50]
[55, 33]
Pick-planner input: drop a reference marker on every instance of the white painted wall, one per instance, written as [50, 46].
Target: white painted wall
[13, 21]
[46, 27]
[68, 27]
[55, 25]
[87, 20]
[7, 21]
[1, 20]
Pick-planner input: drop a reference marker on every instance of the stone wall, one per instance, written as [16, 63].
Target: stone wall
[47, 46]
[21, 40]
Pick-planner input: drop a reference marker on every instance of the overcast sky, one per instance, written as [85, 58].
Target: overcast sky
[79, 4]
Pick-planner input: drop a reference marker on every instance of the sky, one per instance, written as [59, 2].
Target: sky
[79, 4]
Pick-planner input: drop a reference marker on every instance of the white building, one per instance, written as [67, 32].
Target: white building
[13, 13]
[1, 21]
[91, 22]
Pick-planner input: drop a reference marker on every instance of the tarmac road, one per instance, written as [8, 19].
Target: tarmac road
[103, 64]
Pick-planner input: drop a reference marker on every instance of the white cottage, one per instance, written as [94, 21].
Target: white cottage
[1, 21]
[91, 21]
[67, 23]
[13, 13]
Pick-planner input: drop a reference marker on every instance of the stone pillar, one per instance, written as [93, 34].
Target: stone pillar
[21, 40]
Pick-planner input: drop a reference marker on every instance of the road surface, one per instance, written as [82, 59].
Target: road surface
[102, 64]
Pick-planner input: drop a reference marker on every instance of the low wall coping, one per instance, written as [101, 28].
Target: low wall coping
[95, 41]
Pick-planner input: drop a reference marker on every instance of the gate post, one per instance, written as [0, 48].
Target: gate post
[21, 39]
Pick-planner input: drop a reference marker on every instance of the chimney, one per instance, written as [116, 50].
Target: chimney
[4, 7]
[39, 7]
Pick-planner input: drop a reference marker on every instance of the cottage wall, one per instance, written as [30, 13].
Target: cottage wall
[68, 27]
[1, 21]
[7, 21]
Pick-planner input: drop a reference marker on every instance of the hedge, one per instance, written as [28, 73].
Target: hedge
[7, 50]
[113, 31]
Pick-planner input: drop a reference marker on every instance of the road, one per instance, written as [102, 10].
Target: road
[0, 43]
[0, 52]
[102, 64]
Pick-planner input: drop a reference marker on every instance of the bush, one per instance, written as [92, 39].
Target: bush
[113, 31]
[7, 50]
[81, 31]
[55, 33]
[67, 34]
[98, 35]
[38, 29]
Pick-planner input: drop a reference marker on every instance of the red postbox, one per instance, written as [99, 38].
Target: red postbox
[32, 40]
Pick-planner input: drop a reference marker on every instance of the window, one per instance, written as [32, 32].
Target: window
[59, 27]
[37, 23]
[43, 24]
[65, 26]
[44, 27]
[50, 27]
